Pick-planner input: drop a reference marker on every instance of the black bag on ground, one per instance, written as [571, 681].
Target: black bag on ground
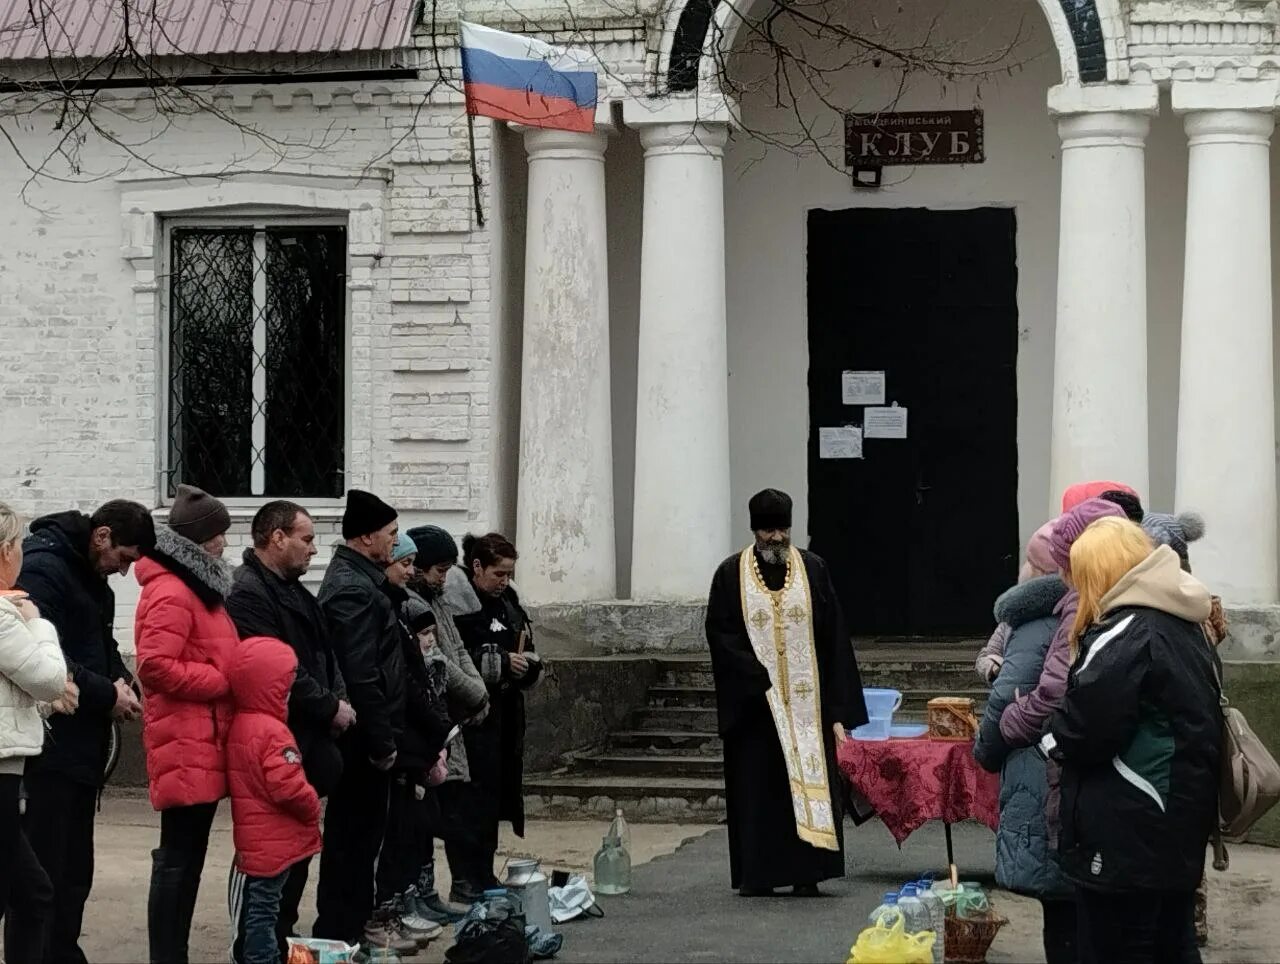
[489, 942]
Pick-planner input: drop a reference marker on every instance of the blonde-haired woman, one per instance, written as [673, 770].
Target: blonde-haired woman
[1139, 739]
[32, 671]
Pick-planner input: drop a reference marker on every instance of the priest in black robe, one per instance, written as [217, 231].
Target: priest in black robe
[787, 686]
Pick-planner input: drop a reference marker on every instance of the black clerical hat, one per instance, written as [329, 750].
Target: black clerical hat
[770, 509]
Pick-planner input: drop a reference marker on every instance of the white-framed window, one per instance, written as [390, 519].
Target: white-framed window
[255, 328]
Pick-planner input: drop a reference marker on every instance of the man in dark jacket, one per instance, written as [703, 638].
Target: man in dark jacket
[67, 559]
[268, 599]
[366, 636]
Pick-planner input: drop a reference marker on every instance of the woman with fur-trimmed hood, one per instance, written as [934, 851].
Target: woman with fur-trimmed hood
[185, 640]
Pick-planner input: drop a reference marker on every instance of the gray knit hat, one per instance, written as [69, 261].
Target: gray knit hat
[1175, 531]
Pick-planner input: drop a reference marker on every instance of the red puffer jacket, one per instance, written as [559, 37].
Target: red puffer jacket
[184, 640]
[275, 810]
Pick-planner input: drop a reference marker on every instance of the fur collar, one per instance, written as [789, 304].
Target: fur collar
[459, 597]
[209, 578]
[1033, 599]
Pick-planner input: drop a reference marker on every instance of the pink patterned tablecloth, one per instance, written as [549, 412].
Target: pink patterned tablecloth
[910, 782]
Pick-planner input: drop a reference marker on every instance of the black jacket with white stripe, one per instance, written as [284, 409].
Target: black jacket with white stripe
[1139, 737]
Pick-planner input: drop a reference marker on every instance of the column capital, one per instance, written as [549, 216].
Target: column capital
[1245, 95]
[1141, 99]
[1103, 129]
[1229, 127]
[683, 138]
[542, 143]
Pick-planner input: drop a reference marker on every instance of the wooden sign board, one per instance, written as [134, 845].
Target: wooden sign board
[873, 141]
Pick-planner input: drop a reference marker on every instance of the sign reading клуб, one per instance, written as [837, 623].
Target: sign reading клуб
[916, 137]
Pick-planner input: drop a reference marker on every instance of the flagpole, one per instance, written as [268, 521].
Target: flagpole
[475, 168]
[476, 183]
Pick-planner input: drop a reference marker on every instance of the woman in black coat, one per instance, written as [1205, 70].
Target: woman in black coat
[1139, 739]
[499, 636]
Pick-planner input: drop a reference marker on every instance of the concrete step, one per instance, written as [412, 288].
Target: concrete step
[695, 674]
[660, 799]
[692, 696]
[650, 764]
[668, 742]
[696, 719]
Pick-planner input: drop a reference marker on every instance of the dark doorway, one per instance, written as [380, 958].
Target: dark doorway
[922, 533]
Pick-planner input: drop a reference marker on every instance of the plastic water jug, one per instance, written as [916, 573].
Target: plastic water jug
[881, 705]
[937, 917]
[915, 919]
[887, 911]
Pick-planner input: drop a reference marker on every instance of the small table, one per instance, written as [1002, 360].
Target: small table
[910, 782]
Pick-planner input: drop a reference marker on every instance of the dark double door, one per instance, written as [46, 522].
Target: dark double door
[922, 533]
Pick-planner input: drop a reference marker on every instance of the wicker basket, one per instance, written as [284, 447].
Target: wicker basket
[952, 718]
[969, 938]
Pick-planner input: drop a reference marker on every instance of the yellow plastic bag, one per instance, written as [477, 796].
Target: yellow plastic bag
[892, 945]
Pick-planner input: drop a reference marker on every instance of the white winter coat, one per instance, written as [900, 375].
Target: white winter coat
[32, 670]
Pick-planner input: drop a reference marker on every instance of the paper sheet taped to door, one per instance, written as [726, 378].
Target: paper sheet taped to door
[888, 422]
[840, 442]
[862, 388]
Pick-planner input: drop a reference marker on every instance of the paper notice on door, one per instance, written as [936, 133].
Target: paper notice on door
[885, 422]
[840, 442]
[862, 388]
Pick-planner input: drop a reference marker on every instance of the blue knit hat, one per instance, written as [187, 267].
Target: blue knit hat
[405, 547]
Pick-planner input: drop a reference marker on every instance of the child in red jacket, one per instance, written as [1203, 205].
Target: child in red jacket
[275, 811]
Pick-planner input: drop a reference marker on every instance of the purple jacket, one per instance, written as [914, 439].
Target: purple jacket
[1024, 720]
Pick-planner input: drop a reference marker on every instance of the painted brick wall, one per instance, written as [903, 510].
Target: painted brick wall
[79, 375]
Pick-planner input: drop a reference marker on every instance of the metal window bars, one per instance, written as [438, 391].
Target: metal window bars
[257, 357]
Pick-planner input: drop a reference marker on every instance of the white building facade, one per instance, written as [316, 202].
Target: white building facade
[635, 329]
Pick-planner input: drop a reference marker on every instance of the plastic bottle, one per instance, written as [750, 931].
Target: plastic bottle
[937, 917]
[612, 867]
[621, 830]
[914, 916]
[889, 907]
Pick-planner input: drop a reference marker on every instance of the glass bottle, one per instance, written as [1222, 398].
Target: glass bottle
[621, 830]
[612, 867]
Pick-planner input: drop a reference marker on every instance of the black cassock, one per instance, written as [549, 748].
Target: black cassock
[764, 849]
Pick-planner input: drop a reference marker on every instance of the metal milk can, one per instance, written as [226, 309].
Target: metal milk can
[526, 879]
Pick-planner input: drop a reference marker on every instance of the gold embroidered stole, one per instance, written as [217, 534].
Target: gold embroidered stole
[780, 628]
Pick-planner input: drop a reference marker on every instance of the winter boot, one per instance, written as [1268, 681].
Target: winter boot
[420, 929]
[166, 932]
[426, 899]
[384, 931]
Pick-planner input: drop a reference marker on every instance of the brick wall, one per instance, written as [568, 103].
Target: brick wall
[79, 376]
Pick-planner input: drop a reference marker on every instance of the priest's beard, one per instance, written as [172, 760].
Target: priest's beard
[774, 553]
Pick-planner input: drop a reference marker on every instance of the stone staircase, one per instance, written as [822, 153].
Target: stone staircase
[666, 763]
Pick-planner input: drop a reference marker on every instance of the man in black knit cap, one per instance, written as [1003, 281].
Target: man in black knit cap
[365, 631]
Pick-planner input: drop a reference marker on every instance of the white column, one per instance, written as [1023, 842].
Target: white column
[564, 512]
[1226, 402]
[1100, 343]
[682, 405]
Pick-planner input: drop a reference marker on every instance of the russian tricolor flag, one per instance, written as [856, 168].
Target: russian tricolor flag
[516, 78]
